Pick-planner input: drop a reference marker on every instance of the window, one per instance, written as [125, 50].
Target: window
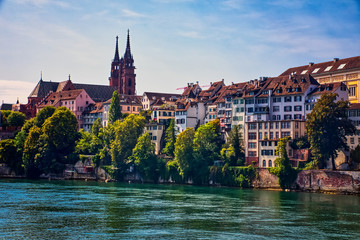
[297, 98]
[252, 126]
[252, 154]
[252, 144]
[129, 82]
[271, 135]
[277, 99]
[266, 125]
[250, 110]
[252, 136]
[327, 69]
[297, 116]
[241, 101]
[264, 163]
[277, 137]
[242, 109]
[270, 163]
[264, 143]
[304, 72]
[237, 109]
[262, 100]
[297, 108]
[352, 141]
[287, 117]
[277, 125]
[236, 101]
[287, 109]
[285, 134]
[342, 66]
[276, 108]
[285, 125]
[249, 101]
[128, 108]
[352, 91]
[287, 99]
[260, 135]
[271, 125]
[316, 70]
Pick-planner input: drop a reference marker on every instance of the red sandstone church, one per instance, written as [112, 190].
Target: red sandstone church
[122, 78]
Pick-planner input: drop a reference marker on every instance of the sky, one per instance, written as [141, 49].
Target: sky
[173, 42]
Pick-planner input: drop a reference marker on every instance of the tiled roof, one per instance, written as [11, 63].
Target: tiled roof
[337, 65]
[98, 93]
[327, 88]
[43, 88]
[53, 98]
[167, 96]
[6, 106]
[128, 99]
[354, 106]
[94, 108]
[292, 85]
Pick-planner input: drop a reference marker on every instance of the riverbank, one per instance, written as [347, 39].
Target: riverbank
[321, 181]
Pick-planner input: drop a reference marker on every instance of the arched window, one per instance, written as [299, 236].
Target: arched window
[264, 163]
[270, 163]
[129, 82]
[129, 92]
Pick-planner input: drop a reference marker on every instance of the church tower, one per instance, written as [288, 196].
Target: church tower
[123, 75]
[115, 68]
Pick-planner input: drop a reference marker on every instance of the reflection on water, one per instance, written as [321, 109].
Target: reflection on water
[92, 210]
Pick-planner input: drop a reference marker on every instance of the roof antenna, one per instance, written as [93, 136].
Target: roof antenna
[69, 76]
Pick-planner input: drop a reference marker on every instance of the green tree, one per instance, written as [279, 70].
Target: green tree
[43, 114]
[20, 138]
[184, 156]
[286, 173]
[115, 109]
[10, 155]
[83, 145]
[16, 119]
[327, 127]
[170, 139]
[355, 155]
[144, 158]
[235, 153]
[96, 127]
[31, 150]
[4, 118]
[126, 134]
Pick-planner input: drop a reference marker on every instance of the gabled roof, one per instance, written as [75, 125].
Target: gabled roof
[128, 99]
[53, 98]
[98, 93]
[6, 106]
[293, 84]
[166, 96]
[94, 108]
[42, 88]
[327, 88]
[337, 65]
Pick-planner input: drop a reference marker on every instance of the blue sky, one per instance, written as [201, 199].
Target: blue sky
[173, 41]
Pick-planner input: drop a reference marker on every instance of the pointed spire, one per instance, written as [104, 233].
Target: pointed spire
[127, 54]
[117, 58]
[17, 101]
[69, 76]
[40, 75]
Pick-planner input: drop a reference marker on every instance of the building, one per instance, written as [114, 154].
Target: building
[122, 75]
[75, 100]
[91, 114]
[156, 132]
[150, 98]
[339, 70]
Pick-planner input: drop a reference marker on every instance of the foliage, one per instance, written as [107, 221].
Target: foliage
[31, 148]
[16, 119]
[286, 173]
[184, 152]
[233, 176]
[96, 127]
[327, 126]
[10, 155]
[126, 134]
[237, 154]
[4, 118]
[43, 114]
[300, 143]
[144, 158]
[355, 155]
[20, 138]
[170, 139]
[115, 109]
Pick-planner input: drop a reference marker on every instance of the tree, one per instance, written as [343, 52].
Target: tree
[10, 155]
[144, 158]
[170, 139]
[96, 127]
[115, 109]
[327, 127]
[286, 173]
[43, 114]
[31, 149]
[184, 152]
[236, 153]
[126, 134]
[16, 119]
[4, 118]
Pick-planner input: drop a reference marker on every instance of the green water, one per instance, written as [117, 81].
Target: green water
[91, 210]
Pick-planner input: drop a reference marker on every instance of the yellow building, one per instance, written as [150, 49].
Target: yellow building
[339, 70]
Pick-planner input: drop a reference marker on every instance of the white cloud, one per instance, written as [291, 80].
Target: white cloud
[129, 13]
[11, 89]
[191, 34]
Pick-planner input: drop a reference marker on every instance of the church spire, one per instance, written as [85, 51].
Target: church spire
[117, 58]
[127, 54]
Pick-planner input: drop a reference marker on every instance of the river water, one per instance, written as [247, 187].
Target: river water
[91, 210]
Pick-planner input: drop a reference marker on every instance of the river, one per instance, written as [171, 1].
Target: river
[93, 210]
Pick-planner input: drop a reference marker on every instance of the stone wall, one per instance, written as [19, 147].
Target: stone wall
[329, 181]
[265, 179]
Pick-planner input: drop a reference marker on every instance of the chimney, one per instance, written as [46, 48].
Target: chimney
[310, 64]
[232, 83]
[210, 83]
[222, 80]
[336, 59]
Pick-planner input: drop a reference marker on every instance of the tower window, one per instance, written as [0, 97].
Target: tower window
[129, 82]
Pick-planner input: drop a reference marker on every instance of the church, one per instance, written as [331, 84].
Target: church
[122, 78]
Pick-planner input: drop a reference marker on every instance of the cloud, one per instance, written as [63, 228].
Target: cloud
[43, 3]
[132, 14]
[191, 34]
[11, 89]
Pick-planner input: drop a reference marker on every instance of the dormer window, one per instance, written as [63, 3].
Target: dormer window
[298, 89]
[265, 92]
[303, 80]
[279, 90]
[316, 70]
[252, 93]
[304, 72]
[289, 89]
[327, 69]
[284, 83]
